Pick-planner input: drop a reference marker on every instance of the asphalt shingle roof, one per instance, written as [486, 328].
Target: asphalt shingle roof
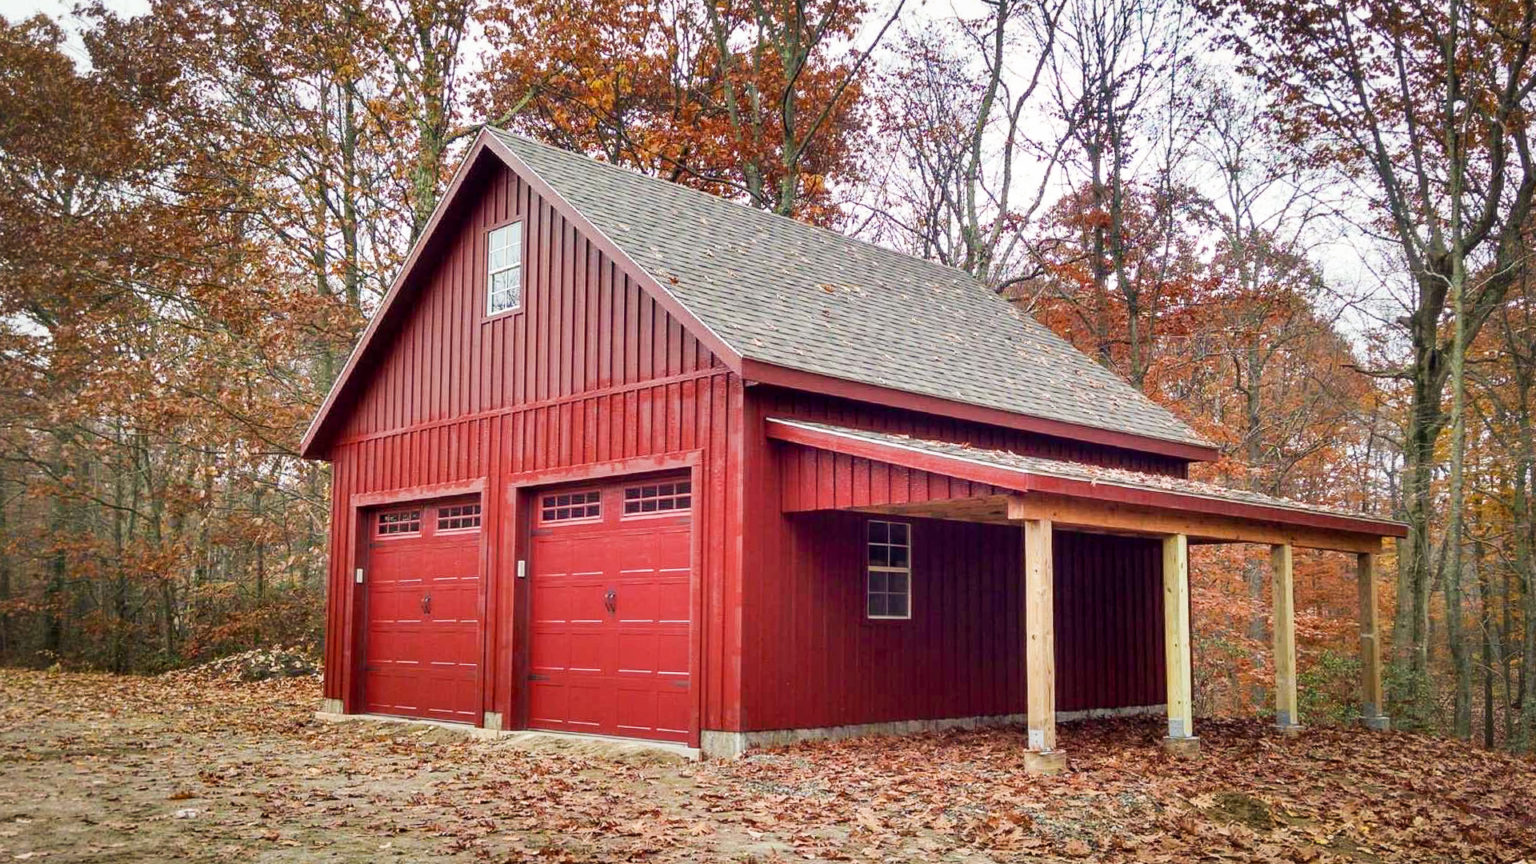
[793, 295]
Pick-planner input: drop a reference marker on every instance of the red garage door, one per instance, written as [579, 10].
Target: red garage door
[423, 605]
[610, 610]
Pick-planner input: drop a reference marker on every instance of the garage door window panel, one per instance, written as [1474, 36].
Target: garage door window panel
[658, 499]
[460, 517]
[399, 523]
[568, 507]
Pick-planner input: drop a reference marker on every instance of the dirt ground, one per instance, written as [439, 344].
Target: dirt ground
[99, 768]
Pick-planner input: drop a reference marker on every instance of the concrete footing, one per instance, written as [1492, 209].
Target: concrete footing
[601, 746]
[1379, 722]
[730, 745]
[1183, 747]
[1045, 762]
[331, 706]
[1289, 730]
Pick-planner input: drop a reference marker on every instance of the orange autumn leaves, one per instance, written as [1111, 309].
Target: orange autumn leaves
[754, 101]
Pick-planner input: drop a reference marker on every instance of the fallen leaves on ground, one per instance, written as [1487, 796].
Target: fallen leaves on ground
[202, 767]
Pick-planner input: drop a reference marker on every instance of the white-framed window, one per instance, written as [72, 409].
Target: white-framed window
[888, 570]
[504, 279]
[458, 517]
[399, 522]
[658, 499]
[583, 506]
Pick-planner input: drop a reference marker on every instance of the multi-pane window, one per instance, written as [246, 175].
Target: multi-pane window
[888, 574]
[399, 522]
[570, 506]
[460, 517]
[658, 498]
[505, 279]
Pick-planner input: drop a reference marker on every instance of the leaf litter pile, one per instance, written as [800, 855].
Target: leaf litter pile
[194, 766]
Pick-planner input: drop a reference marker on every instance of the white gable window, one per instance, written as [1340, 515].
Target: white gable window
[888, 577]
[505, 278]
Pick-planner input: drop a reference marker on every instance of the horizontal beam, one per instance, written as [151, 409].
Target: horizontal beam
[1112, 517]
[991, 509]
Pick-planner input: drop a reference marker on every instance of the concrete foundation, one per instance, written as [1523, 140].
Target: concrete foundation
[1378, 722]
[1186, 747]
[730, 745]
[1289, 730]
[1045, 762]
[601, 746]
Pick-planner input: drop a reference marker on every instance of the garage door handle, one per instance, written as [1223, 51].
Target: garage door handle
[426, 604]
[611, 601]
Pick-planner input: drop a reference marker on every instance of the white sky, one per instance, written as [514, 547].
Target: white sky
[16, 10]
[1345, 260]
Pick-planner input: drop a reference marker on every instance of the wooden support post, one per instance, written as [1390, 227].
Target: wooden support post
[1181, 740]
[1040, 649]
[1282, 587]
[1370, 646]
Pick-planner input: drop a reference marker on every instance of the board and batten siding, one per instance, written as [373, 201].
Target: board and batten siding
[590, 370]
[811, 657]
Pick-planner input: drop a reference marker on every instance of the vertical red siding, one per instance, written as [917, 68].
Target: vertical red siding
[813, 659]
[818, 661]
[590, 370]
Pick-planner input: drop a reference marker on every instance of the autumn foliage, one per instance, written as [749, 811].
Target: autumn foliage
[199, 213]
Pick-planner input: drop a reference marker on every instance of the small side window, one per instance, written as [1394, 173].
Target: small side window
[399, 522]
[504, 279]
[888, 571]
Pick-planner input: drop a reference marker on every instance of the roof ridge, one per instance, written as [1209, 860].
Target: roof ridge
[757, 211]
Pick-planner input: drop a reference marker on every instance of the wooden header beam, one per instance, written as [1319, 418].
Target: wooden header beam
[1109, 517]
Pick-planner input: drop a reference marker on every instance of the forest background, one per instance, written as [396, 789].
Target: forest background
[1305, 227]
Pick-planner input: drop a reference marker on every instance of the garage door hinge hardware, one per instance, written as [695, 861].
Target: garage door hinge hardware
[538, 677]
[611, 601]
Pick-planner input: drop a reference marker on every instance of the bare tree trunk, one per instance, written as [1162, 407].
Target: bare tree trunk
[1490, 643]
[1461, 661]
[6, 642]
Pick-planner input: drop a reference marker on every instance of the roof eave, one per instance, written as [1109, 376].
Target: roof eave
[797, 379]
[1025, 481]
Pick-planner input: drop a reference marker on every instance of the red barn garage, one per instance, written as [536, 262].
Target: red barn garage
[618, 457]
